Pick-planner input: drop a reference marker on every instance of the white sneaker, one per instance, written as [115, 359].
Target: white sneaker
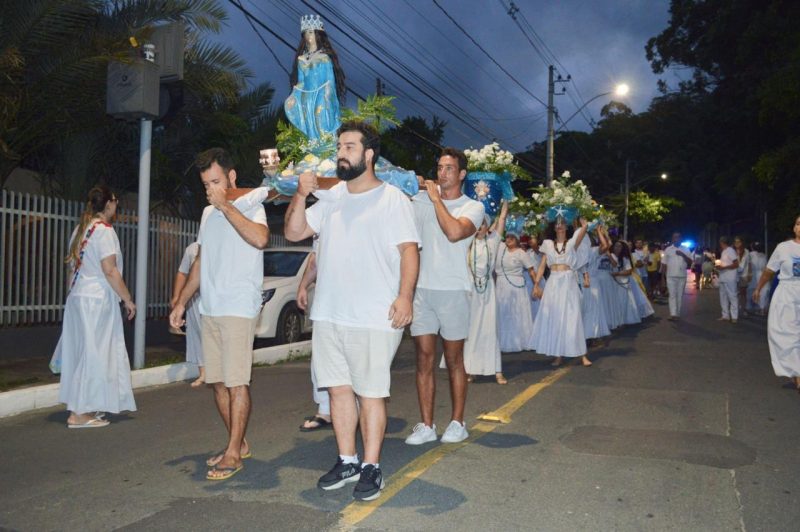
[455, 432]
[422, 433]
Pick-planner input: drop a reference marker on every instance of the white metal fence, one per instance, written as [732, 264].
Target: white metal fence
[34, 234]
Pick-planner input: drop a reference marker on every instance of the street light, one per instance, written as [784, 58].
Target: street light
[663, 177]
[620, 90]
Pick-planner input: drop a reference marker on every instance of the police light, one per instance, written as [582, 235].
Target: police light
[688, 244]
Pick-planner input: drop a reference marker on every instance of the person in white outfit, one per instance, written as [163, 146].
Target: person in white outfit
[536, 257]
[194, 341]
[728, 266]
[744, 272]
[367, 267]
[322, 419]
[446, 220]
[514, 319]
[558, 330]
[482, 354]
[758, 261]
[783, 325]
[674, 262]
[91, 354]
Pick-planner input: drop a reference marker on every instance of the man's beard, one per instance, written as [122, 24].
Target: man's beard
[351, 172]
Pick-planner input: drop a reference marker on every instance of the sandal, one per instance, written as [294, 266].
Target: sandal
[500, 378]
[227, 472]
[321, 423]
[217, 458]
[93, 423]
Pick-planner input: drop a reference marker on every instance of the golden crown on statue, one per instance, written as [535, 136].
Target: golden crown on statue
[311, 23]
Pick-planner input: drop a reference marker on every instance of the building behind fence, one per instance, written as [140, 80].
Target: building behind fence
[34, 240]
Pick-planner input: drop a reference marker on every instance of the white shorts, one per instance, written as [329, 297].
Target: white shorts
[354, 356]
[444, 312]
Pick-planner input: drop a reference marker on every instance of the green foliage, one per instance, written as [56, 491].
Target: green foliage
[414, 144]
[376, 110]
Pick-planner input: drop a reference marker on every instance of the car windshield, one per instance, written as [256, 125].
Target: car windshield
[283, 263]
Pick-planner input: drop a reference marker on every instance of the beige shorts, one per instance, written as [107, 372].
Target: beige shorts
[228, 349]
[353, 356]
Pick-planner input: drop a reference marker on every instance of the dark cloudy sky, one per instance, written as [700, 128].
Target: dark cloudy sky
[598, 42]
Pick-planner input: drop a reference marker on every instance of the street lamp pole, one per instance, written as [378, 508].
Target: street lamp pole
[550, 132]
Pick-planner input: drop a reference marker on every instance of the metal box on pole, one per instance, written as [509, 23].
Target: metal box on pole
[132, 89]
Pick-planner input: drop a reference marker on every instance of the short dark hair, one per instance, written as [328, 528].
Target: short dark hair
[458, 155]
[724, 240]
[370, 138]
[205, 159]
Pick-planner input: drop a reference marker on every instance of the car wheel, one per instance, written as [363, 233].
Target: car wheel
[290, 325]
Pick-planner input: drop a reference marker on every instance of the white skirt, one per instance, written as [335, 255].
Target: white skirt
[558, 329]
[783, 329]
[595, 323]
[626, 303]
[482, 347]
[194, 342]
[534, 302]
[642, 303]
[608, 295]
[95, 372]
[763, 300]
[514, 321]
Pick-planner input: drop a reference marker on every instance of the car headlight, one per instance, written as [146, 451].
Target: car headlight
[266, 295]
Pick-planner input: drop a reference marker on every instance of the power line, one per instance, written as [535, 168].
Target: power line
[506, 72]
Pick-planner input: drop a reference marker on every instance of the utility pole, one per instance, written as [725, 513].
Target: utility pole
[627, 198]
[551, 115]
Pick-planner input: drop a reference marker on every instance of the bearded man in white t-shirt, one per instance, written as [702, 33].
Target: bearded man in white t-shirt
[232, 236]
[446, 221]
[367, 268]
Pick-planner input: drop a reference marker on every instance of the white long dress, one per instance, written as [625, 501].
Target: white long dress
[608, 290]
[514, 320]
[194, 344]
[758, 261]
[783, 325]
[536, 259]
[642, 303]
[95, 371]
[558, 329]
[595, 321]
[626, 301]
[482, 347]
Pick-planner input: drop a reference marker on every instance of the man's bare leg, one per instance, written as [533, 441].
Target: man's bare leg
[344, 414]
[373, 427]
[454, 356]
[222, 398]
[426, 381]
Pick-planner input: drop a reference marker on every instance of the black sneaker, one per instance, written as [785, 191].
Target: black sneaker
[340, 475]
[369, 484]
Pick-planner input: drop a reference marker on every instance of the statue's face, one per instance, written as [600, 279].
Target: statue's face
[311, 40]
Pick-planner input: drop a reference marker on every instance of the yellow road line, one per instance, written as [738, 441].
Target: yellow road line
[356, 512]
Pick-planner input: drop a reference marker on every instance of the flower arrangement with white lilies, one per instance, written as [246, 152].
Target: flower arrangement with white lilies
[491, 158]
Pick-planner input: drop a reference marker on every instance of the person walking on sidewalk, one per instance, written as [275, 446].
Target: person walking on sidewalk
[91, 354]
[367, 267]
[728, 291]
[446, 219]
[229, 272]
[783, 325]
[194, 343]
[674, 262]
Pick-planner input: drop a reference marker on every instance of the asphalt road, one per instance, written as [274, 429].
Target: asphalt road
[675, 427]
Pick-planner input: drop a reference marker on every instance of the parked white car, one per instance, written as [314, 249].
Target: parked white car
[280, 318]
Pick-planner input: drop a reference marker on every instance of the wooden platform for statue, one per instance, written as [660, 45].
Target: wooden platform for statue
[325, 183]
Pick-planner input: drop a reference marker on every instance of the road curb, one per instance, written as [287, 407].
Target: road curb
[15, 402]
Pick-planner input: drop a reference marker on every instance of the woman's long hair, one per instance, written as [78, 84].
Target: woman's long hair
[624, 253]
[323, 46]
[550, 231]
[99, 196]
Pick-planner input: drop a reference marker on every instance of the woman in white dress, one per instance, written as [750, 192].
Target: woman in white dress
[194, 346]
[595, 319]
[622, 271]
[758, 261]
[514, 320]
[743, 272]
[606, 283]
[482, 346]
[91, 354]
[536, 259]
[783, 324]
[558, 329]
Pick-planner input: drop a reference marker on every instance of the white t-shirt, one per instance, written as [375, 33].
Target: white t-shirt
[726, 259]
[676, 264]
[785, 261]
[639, 255]
[512, 264]
[231, 270]
[442, 264]
[189, 255]
[358, 263]
[102, 243]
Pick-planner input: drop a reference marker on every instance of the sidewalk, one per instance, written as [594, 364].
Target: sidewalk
[677, 426]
